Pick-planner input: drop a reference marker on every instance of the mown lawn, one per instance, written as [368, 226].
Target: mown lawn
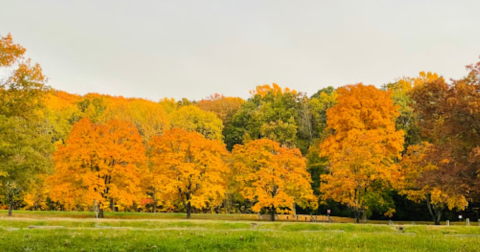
[77, 234]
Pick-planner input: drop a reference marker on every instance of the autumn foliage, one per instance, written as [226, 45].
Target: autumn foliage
[358, 150]
[100, 164]
[272, 177]
[187, 168]
[362, 150]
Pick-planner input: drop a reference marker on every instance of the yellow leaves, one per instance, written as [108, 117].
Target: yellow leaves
[275, 89]
[272, 176]
[188, 167]
[149, 117]
[192, 118]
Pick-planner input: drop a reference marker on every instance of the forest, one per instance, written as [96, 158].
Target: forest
[409, 150]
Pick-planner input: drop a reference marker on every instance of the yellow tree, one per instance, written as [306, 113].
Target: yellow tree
[98, 164]
[192, 118]
[362, 150]
[188, 168]
[272, 176]
[149, 117]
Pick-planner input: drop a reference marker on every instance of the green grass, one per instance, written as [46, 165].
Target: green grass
[80, 234]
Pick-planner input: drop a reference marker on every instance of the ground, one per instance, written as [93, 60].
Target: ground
[76, 231]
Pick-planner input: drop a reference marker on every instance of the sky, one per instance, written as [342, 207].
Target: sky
[192, 49]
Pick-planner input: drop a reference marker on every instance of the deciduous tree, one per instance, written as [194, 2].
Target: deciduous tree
[271, 112]
[188, 168]
[428, 175]
[273, 177]
[24, 146]
[192, 118]
[99, 164]
[149, 117]
[362, 150]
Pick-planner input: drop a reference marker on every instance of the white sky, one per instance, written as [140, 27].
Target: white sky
[155, 49]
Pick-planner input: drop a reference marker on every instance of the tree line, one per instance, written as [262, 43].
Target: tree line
[358, 149]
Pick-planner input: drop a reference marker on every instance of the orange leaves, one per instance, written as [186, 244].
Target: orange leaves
[188, 168]
[97, 164]
[9, 52]
[223, 107]
[363, 148]
[271, 176]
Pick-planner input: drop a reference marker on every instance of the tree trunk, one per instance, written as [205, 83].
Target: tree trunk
[294, 208]
[112, 205]
[439, 216]
[100, 213]
[154, 201]
[189, 210]
[435, 211]
[10, 206]
[356, 212]
[272, 212]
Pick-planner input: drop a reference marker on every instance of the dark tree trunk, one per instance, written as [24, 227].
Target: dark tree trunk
[189, 210]
[100, 213]
[356, 212]
[435, 211]
[10, 205]
[439, 216]
[272, 213]
[112, 205]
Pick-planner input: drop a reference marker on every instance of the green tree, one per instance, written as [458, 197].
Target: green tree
[271, 112]
[24, 147]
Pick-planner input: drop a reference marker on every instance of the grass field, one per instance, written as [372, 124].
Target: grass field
[72, 231]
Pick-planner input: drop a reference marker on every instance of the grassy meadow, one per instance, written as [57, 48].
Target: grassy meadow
[76, 231]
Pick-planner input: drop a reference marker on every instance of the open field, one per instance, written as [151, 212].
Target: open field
[181, 216]
[64, 231]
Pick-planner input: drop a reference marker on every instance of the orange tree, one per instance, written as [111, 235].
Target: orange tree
[273, 177]
[188, 168]
[362, 150]
[98, 164]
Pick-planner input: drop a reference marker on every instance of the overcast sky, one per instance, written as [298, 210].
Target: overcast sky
[155, 49]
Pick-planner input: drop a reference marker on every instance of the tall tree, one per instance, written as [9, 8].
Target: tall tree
[188, 168]
[273, 177]
[99, 165]
[362, 150]
[24, 146]
[443, 171]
